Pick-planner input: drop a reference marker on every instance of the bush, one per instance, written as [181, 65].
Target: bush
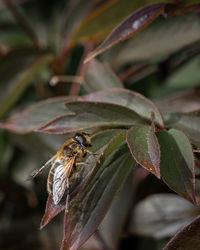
[139, 101]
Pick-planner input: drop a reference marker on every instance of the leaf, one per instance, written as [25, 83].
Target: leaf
[161, 215]
[91, 115]
[187, 238]
[164, 36]
[197, 189]
[99, 141]
[185, 102]
[7, 150]
[88, 209]
[130, 99]
[189, 123]
[73, 15]
[51, 115]
[99, 76]
[51, 211]
[186, 76]
[131, 25]
[144, 147]
[99, 23]
[18, 69]
[37, 115]
[113, 223]
[177, 162]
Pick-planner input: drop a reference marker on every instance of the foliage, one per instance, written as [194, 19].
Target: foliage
[139, 101]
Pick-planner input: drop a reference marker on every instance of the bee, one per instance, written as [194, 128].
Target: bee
[65, 164]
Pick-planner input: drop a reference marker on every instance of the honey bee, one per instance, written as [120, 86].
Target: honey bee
[65, 164]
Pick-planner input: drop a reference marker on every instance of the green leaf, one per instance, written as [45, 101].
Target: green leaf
[144, 147]
[102, 138]
[37, 115]
[18, 69]
[187, 239]
[130, 99]
[91, 115]
[130, 26]
[189, 123]
[186, 76]
[177, 162]
[88, 209]
[99, 76]
[164, 37]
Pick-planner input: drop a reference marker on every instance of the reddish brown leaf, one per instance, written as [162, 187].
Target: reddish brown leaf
[51, 211]
[37, 115]
[131, 25]
[186, 239]
[90, 206]
[144, 147]
[164, 36]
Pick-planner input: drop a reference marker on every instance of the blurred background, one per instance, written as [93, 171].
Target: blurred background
[41, 39]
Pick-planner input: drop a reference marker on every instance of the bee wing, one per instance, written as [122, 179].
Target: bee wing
[60, 180]
[39, 171]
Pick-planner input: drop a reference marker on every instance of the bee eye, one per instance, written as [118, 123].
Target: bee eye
[82, 140]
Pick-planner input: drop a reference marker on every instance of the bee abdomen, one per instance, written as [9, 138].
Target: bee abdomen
[50, 179]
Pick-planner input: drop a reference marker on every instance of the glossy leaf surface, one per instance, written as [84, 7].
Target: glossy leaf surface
[161, 38]
[97, 25]
[132, 24]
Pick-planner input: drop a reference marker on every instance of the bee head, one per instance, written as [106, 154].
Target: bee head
[83, 139]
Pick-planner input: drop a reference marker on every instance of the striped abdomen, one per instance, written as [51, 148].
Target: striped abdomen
[50, 177]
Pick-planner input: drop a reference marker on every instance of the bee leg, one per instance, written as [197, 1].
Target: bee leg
[67, 198]
[39, 171]
[79, 164]
[96, 155]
